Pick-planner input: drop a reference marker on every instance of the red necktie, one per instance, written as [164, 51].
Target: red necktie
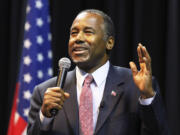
[86, 108]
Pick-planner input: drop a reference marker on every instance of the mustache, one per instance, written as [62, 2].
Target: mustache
[80, 46]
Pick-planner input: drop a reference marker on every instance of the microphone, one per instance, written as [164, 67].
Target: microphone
[64, 65]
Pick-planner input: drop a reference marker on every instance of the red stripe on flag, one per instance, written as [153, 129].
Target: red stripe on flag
[18, 127]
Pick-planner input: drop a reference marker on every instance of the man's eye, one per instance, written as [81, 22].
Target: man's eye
[74, 32]
[89, 32]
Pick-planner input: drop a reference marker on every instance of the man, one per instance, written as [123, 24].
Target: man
[98, 98]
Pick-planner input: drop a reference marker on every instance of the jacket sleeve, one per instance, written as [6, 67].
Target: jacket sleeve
[34, 123]
[153, 117]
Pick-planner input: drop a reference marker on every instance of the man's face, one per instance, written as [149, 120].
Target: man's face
[87, 47]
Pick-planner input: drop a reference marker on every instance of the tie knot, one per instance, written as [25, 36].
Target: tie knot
[88, 79]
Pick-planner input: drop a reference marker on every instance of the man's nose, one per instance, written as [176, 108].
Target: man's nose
[80, 38]
[79, 42]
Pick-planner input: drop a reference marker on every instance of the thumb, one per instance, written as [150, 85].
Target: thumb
[133, 68]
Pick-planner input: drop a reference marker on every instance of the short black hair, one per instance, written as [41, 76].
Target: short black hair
[108, 23]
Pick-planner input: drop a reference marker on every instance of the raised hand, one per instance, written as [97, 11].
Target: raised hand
[143, 77]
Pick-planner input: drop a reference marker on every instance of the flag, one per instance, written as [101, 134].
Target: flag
[35, 65]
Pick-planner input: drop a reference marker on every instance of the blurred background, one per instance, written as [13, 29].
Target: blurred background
[154, 23]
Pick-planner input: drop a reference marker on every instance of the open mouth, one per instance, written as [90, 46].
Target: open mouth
[79, 50]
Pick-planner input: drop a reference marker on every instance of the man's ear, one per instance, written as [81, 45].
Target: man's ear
[110, 43]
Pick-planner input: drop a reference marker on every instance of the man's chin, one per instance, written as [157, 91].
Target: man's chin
[80, 61]
[77, 62]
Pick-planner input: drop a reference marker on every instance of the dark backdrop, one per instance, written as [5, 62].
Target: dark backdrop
[155, 23]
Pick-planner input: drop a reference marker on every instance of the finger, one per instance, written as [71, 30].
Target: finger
[49, 99]
[140, 53]
[52, 95]
[55, 106]
[133, 68]
[146, 54]
[66, 95]
[48, 105]
[148, 65]
[53, 89]
[142, 63]
[47, 111]
[146, 58]
[55, 94]
[60, 99]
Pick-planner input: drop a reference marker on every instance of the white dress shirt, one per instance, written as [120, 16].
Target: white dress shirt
[97, 88]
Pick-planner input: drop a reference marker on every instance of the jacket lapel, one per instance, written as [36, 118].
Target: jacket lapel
[71, 105]
[112, 94]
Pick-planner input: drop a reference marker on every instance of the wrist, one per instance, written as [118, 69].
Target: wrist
[148, 94]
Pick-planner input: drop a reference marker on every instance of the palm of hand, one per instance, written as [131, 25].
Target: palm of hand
[142, 79]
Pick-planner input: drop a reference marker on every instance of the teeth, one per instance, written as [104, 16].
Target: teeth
[79, 49]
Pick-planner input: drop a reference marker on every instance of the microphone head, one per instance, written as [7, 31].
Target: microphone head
[64, 63]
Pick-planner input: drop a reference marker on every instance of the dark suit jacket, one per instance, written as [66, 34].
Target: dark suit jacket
[119, 115]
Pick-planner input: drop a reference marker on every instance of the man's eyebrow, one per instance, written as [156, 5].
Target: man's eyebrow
[74, 28]
[88, 28]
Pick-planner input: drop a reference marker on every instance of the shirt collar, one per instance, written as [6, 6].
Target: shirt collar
[99, 75]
